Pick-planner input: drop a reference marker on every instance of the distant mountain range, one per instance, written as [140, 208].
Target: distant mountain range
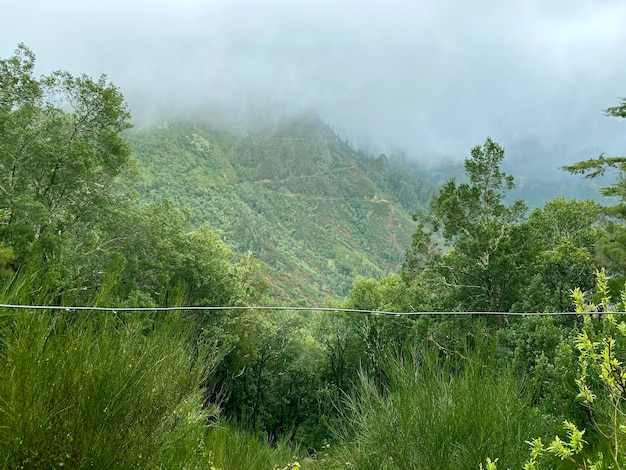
[314, 211]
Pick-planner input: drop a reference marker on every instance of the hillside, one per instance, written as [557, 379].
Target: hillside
[313, 210]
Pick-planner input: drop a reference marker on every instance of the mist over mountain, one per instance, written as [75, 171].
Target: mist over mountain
[430, 79]
[316, 212]
[290, 155]
[392, 93]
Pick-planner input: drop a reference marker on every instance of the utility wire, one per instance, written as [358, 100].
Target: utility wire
[306, 309]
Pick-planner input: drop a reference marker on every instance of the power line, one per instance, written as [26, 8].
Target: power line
[306, 309]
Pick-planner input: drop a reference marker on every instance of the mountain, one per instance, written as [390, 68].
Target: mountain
[314, 211]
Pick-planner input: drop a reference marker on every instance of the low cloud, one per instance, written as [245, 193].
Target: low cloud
[432, 78]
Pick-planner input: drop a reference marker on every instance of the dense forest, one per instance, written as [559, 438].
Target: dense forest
[313, 211]
[522, 368]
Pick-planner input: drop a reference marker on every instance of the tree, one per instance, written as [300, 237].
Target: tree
[601, 344]
[559, 253]
[66, 195]
[617, 111]
[462, 236]
[60, 152]
[277, 390]
[612, 246]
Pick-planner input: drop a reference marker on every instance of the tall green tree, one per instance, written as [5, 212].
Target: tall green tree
[559, 253]
[60, 152]
[612, 246]
[462, 236]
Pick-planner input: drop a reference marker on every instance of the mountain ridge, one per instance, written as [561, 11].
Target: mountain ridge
[316, 212]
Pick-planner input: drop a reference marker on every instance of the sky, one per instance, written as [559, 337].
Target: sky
[427, 78]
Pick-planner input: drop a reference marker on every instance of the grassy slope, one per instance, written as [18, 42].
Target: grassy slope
[314, 211]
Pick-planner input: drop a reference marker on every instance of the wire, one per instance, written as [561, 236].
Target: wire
[309, 309]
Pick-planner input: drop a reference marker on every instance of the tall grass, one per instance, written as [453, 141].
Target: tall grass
[434, 414]
[82, 389]
[235, 449]
[97, 390]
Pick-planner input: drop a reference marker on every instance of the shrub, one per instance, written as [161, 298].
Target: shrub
[436, 414]
[96, 389]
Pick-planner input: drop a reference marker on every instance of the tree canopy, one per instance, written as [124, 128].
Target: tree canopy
[462, 236]
[60, 154]
[250, 386]
[612, 245]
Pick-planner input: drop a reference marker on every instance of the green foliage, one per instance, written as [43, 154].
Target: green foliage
[158, 255]
[235, 449]
[103, 390]
[111, 389]
[398, 179]
[277, 390]
[60, 153]
[7, 256]
[474, 225]
[602, 347]
[436, 413]
[148, 255]
[556, 253]
[483, 254]
[106, 390]
[569, 450]
[376, 336]
[542, 350]
[612, 246]
[601, 343]
[617, 111]
[391, 293]
[65, 199]
[315, 212]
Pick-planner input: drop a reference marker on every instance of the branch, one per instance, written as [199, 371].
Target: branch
[595, 167]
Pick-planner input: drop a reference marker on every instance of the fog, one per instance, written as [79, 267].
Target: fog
[428, 78]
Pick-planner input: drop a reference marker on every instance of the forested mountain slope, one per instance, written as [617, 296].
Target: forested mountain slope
[313, 210]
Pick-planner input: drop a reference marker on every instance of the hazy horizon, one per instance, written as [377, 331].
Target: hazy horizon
[424, 78]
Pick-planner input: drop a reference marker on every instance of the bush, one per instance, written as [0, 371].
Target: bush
[436, 414]
[96, 389]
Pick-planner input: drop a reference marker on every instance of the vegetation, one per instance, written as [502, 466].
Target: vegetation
[211, 218]
[435, 412]
[313, 211]
[476, 226]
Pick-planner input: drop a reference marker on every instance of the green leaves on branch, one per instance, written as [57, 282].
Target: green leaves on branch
[612, 246]
[569, 450]
[60, 153]
[462, 236]
[557, 254]
[475, 209]
[602, 352]
[617, 111]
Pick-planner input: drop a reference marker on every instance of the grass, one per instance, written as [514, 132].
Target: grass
[234, 449]
[112, 390]
[97, 390]
[433, 414]
[107, 390]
